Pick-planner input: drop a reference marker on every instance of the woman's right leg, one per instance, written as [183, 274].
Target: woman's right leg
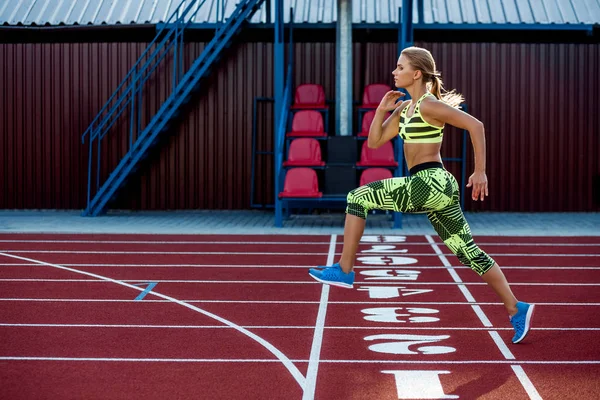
[353, 231]
[387, 194]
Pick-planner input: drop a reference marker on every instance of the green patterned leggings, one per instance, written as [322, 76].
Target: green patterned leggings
[433, 191]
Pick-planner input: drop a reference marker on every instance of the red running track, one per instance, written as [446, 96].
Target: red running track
[260, 328]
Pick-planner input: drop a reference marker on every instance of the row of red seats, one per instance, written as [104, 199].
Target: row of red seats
[310, 123]
[303, 182]
[309, 101]
[306, 152]
[312, 96]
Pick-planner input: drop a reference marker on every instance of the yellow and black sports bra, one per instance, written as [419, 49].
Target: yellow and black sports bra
[415, 129]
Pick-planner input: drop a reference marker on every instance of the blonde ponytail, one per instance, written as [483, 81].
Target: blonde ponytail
[421, 59]
[452, 98]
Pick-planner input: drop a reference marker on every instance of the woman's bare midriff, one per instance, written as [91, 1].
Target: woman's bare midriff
[419, 153]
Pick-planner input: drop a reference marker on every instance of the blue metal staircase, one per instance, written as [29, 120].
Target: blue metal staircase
[128, 96]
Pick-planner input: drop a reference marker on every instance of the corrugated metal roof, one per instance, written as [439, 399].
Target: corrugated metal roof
[112, 12]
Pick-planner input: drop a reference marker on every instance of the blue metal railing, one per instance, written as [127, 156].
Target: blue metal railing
[129, 95]
[279, 131]
[256, 152]
[279, 147]
[281, 122]
[170, 36]
[169, 32]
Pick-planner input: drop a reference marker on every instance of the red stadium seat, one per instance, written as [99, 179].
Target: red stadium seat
[373, 94]
[309, 96]
[304, 152]
[307, 123]
[367, 119]
[381, 157]
[301, 182]
[374, 174]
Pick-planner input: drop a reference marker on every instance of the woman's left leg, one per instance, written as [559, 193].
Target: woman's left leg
[453, 229]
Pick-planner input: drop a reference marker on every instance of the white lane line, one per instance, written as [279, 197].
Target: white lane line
[276, 352]
[461, 286]
[264, 253]
[245, 253]
[373, 328]
[307, 282]
[120, 265]
[168, 242]
[466, 293]
[440, 303]
[545, 362]
[253, 360]
[482, 317]
[526, 382]
[501, 345]
[170, 266]
[315, 351]
[478, 311]
[157, 242]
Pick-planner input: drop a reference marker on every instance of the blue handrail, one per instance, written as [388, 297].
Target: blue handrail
[177, 30]
[128, 94]
[281, 129]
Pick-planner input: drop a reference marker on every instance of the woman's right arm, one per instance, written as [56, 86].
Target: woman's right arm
[383, 130]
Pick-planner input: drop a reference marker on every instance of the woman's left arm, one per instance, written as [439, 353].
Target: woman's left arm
[437, 113]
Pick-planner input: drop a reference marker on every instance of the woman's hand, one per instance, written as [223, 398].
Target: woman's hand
[388, 102]
[480, 185]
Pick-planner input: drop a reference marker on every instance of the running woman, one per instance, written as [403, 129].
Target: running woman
[429, 188]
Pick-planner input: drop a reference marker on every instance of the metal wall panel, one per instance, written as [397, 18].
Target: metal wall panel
[539, 106]
[538, 103]
[51, 92]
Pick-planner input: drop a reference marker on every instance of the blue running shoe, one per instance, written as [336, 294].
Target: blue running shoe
[521, 321]
[333, 276]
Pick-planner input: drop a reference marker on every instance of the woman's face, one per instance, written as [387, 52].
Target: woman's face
[404, 73]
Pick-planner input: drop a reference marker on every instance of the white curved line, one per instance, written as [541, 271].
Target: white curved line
[284, 360]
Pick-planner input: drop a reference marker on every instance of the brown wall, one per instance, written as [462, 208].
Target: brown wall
[538, 102]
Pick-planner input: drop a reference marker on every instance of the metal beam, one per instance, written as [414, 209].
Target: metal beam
[278, 88]
[406, 20]
[343, 90]
[420, 11]
[278, 60]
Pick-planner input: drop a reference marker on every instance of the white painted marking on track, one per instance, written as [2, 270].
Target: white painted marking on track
[121, 265]
[501, 345]
[482, 317]
[373, 328]
[262, 253]
[466, 293]
[461, 286]
[153, 242]
[315, 351]
[276, 352]
[439, 362]
[289, 302]
[171, 242]
[237, 360]
[526, 382]
[237, 253]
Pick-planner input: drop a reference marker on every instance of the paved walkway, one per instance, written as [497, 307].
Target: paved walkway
[262, 222]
